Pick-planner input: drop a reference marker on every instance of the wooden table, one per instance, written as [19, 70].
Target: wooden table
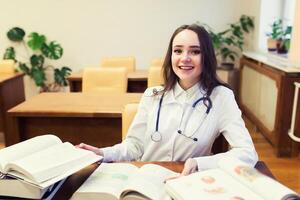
[11, 94]
[137, 81]
[76, 180]
[74, 117]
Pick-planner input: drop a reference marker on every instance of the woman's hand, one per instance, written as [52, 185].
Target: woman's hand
[96, 150]
[190, 166]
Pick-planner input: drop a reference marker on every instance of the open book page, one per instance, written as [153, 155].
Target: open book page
[106, 182]
[149, 181]
[51, 162]
[255, 180]
[213, 184]
[25, 148]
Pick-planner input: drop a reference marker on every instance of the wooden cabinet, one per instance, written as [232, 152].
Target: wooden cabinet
[11, 94]
[266, 98]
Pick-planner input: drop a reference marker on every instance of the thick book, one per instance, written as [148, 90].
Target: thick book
[33, 166]
[113, 181]
[11, 188]
[233, 180]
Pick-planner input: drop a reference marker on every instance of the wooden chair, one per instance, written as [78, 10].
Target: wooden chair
[157, 62]
[105, 80]
[7, 67]
[128, 62]
[127, 116]
[155, 76]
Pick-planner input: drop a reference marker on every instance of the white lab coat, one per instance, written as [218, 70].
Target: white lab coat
[178, 114]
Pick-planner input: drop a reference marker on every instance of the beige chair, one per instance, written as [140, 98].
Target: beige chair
[155, 76]
[127, 116]
[105, 80]
[7, 67]
[157, 62]
[128, 62]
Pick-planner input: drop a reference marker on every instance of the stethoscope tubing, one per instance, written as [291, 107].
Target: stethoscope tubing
[158, 112]
[204, 99]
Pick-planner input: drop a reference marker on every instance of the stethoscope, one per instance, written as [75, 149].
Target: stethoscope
[157, 136]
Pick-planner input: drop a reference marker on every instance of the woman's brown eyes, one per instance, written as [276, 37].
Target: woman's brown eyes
[191, 52]
[177, 51]
[196, 52]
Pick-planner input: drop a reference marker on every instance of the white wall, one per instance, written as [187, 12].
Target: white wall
[294, 54]
[91, 29]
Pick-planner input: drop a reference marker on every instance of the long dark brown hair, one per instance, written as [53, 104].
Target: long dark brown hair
[208, 77]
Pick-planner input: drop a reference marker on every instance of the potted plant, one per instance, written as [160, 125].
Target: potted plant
[38, 50]
[283, 44]
[229, 43]
[274, 35]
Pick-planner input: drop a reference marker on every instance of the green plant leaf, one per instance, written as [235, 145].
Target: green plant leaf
[38, 75]
[277, 30]
[16, 34]
[37, 61]
[229, 41]
[226, 52]
[36, 41]
[246, 23]
[23, 67]
[286, 44]
[61, 74]
[53, 50]
[10, 53]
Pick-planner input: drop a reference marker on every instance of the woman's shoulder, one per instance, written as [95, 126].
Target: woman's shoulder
[151, 95]
[153, 91]
[222, 91]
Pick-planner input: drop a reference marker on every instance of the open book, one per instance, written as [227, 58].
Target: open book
[233, 180]
[112, 181]
[43, 160]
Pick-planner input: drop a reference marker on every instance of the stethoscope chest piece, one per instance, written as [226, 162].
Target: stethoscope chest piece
[156, 136]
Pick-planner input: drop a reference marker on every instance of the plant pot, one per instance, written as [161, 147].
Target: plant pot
[272, 44]
[282, 47]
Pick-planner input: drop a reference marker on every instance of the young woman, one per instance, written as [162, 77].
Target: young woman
[180, 121]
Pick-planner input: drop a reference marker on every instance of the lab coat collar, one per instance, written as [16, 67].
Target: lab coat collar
[194, 93]
[180, 93]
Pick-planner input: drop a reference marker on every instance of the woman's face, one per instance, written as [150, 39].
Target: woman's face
[186, 58]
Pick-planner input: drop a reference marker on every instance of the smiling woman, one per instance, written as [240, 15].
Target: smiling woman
[186, 58]
[180, 121]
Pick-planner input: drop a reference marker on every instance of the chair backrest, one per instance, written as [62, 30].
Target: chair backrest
[155, 77]
[128, 62]
[127, 117]
[7, 67]
[157, 62]
[105, 80]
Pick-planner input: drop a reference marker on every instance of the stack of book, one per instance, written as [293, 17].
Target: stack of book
[37, 167]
